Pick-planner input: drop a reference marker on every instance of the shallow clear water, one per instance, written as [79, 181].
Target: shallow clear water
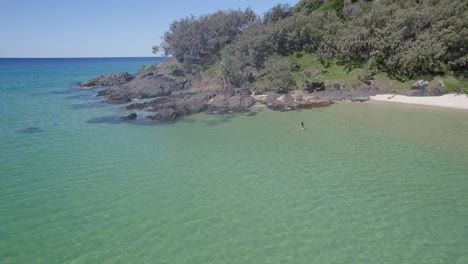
[364, 183]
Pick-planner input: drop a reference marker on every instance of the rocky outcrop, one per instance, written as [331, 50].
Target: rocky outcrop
[118, 78]
[297, 99]
[357, 92]
[231, 101]
[188, 93]
[147, 85]
[169, 107]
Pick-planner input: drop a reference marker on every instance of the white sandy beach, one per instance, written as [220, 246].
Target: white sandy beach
[456, 101]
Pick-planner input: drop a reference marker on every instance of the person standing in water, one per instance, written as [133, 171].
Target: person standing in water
[302, 125]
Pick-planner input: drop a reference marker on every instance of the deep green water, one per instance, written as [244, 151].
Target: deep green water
[364, 183]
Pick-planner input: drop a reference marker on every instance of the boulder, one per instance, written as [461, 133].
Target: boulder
[239, 102]
[433, 91]
[421, 84]
[247, 102]
[217, 103]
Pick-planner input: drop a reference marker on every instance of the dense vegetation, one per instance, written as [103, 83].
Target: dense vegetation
[294, 46]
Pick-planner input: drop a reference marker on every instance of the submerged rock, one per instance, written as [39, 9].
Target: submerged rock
[167, 114]
[29, 130]
[131, 116]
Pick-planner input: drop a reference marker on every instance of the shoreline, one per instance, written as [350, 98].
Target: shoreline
[448, 101]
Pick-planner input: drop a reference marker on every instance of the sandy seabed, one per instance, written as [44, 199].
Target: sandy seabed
[455, 101]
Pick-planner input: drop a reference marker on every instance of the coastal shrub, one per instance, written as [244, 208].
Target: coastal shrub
[368, 72]
[148, 68]
[407, 38]
[310, 79]
[277, 74]
[235, 68]
[174, 70]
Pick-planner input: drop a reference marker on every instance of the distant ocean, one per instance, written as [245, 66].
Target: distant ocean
[363, 183]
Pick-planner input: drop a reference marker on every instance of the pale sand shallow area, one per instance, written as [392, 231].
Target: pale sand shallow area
[456, 101]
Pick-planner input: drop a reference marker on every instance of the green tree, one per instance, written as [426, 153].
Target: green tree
[199, 40]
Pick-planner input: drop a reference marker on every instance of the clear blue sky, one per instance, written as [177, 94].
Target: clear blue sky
[99, 28]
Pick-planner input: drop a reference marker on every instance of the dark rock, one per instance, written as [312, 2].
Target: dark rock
[272, 101]
[131, 116]
[247, 102]
[418, 92]
[314, 103]
[360, 93]
[146, 85]
[239, 102]
[433, 91]
[277, 105]
[167, 114]
[233, 103]
[271, 97]
[120, 97]
[421, 84]
[288, 101]
[182, 105]
[192, 104]
[360, 99]
[108, 80]
[315, 86]
[337, 86]
[217, 103]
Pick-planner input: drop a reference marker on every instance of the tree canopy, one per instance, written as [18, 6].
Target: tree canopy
[198, 40]
[402, 38]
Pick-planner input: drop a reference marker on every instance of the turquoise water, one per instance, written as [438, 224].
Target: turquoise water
[364, 183]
